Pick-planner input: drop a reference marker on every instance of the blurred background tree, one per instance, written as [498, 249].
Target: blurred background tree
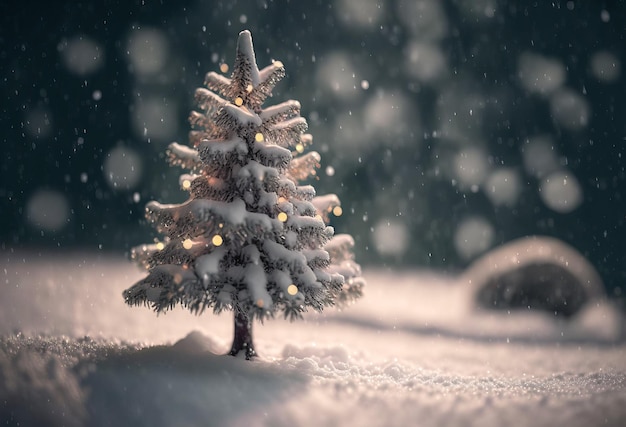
[445, 127]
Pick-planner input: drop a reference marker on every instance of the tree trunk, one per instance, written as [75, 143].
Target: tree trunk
[243, 336]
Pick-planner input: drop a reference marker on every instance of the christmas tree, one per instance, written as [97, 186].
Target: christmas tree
[249, 239]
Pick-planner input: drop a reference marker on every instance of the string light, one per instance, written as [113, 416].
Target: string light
[292, 289]
[282, 217]
[217, 240]
[337, 211]
[224, 68]
[249, 88]
[187, 244]
[238, 101]
[186, 184]
[160, 246]
[259, 137]
[299, 148]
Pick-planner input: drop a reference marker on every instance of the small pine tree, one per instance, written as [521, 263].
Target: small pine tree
[249, 238]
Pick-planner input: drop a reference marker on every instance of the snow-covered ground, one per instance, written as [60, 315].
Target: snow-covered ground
[413, 351]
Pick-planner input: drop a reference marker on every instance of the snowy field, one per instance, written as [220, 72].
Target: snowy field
[413, 351]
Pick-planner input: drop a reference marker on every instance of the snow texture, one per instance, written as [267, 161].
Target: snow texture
[414, 350]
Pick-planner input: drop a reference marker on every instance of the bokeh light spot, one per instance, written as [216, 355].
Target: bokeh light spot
[503, 187]
[153, 118]
[561, 192]
[148, 51]
[539, 156]
[472, 237]
[390, 237]
[540, 74]
[122, 168]
[361, 14]
[48, 210]
[81, 55]
[570, 109]
[606, 67]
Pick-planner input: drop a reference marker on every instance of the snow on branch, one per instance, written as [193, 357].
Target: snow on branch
[208, 100]
[279, 112]
[340, 247]
[218, 156]
[304, 166]
[286, 133]
[272, 155]
[268, 76]
[325, 204]
[183, 156]
[218, 83]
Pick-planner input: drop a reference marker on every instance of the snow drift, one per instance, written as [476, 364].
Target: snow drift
[415, 350]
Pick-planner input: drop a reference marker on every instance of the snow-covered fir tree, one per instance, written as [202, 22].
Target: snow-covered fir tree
[249, 239]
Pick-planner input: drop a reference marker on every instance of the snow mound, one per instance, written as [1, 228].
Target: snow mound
[196, 343]
[534, 273]
[184, 384]
[36, 389]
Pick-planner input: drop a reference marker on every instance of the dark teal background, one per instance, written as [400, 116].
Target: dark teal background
[33, 76]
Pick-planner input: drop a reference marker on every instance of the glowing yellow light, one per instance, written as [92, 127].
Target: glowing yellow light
[187, 243]
[217, 240]
[186, 184]
[337, 211]
[282, 217]
[160, 246]
[249, 88]
[238, 101]
[224, 68]
[278, 64]
[260, 303]
[292, 289]
[299, 148]
[259, 137]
